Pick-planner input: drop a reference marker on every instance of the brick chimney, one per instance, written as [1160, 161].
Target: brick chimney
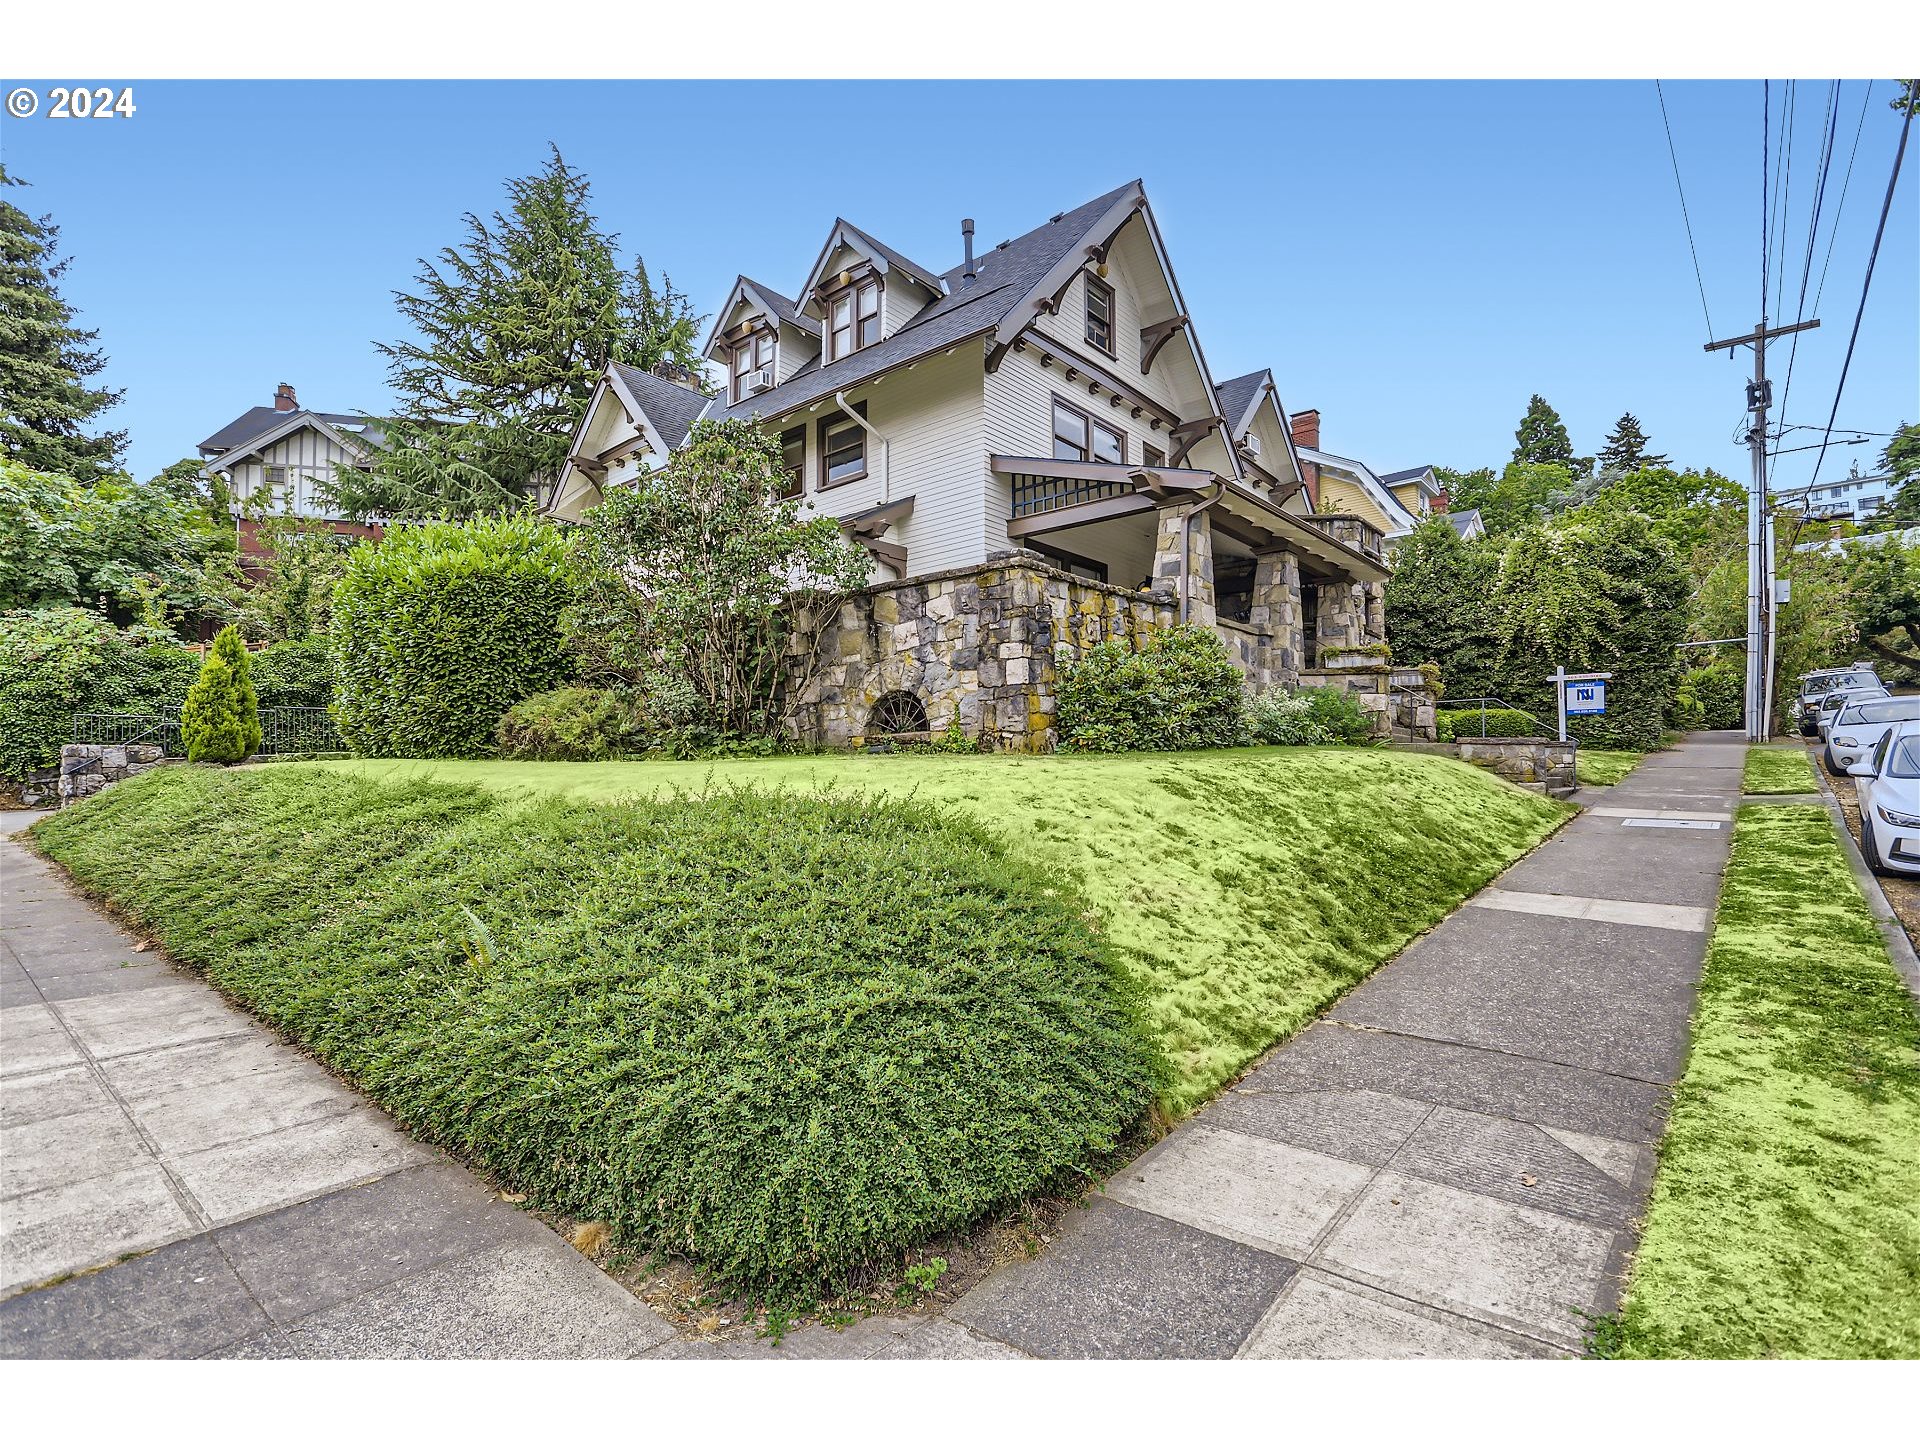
[283, 398]
[1439, 502]
[1306, 428]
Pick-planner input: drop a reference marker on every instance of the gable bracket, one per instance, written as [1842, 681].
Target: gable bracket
[1188, 435]
[1156, 335]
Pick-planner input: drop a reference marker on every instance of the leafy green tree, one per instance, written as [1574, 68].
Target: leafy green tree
[1595, 592]
[700, 576]
[1440, 606]
[1625, 449]
[1883, 598]
[1542, 439]
[284, 591]
[1901, 460]
[1525, 493]
[1702, 514]
[220, 720]
[1466, 489]
[139, 549]
[46, 360]
[515, 325]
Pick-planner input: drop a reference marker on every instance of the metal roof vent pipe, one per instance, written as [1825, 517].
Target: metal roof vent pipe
[966, 236]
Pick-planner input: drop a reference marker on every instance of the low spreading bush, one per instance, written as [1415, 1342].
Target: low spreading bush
[1276, 719]
[1470, 722]
[1178, 691]
[441, 628]
[571, 724]
[220, 719]
[295, 674]
[784, 1035]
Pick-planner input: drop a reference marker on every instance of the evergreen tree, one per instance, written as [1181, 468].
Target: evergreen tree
[45, 360]
[515, 325]
[1542, 438]
[220, 721]
[1625, 449]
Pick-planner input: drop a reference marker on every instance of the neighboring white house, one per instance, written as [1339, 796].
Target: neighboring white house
[276, 457]
[1858, 497]
[1049, 399]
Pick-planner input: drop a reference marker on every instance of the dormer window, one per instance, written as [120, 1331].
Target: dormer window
[853, 319]
[753, 365]
[1099, 314]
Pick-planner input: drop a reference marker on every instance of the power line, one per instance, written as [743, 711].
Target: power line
[1873, 255]
[1685, 219]
[1766, 253]
[1783, 189]
[1846, 183]
[1827, 137]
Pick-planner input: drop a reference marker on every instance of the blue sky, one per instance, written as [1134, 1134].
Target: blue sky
[1413, 259]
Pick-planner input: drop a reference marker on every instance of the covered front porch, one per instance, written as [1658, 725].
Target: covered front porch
[1286, 591]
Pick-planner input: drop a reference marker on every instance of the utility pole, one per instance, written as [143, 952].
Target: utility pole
[1759, 530]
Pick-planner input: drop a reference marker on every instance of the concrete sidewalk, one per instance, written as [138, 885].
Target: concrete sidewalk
[1452, 1161]
[223, 1195]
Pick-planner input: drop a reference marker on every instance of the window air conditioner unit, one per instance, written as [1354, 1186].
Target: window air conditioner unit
[1250, 445]
[761, 379]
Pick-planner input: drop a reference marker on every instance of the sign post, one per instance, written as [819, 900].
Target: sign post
[1580, 694]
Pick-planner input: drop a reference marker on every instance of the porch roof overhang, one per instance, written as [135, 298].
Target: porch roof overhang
[1086, 492]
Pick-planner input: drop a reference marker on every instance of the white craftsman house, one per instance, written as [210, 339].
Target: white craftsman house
[275, 459]
[1033, 449]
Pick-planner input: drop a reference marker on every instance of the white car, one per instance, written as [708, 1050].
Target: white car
[1888, 783]
[1857, 727]
[1834, 701]
[1821, 683]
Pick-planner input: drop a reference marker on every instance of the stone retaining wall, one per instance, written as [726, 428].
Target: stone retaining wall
[81, 776]
[1543, 765]
[1399, 700]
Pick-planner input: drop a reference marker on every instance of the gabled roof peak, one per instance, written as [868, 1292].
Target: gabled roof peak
[878, 253]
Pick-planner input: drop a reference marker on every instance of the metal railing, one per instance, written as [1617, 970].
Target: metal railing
[284, 730]
[1478, 715]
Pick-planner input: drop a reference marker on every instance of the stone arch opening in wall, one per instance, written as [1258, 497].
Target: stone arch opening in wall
[897, 714]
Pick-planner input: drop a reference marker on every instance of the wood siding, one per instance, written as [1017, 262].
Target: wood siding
[307, 457]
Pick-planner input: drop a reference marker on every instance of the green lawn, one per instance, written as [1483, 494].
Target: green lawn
[1779, 770]
[1605, 767]
[1786, 1214]
[1246, 889]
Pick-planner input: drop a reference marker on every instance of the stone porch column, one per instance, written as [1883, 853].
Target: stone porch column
[1376, 613]
[1341, 622]
[1276, 614]
[1199, 567]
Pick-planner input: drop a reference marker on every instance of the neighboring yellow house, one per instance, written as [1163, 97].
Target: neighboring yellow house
[1344, 486]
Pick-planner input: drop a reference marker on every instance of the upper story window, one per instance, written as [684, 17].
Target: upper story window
[1099, 314]
[1078, 436]
[853, 319]
[843, 448]
[753, 369]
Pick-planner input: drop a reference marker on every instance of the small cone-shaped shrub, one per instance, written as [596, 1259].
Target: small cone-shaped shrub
[220, 721]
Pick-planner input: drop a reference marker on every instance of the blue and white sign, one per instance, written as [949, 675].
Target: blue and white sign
[1586, 697]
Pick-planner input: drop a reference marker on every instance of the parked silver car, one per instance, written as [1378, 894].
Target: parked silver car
[1857, 727]
[1888, 783]
[1834, 701]
[1817, 685]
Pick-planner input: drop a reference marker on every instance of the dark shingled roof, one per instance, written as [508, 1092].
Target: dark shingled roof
[1462, 520]
[1237, 394]
[671, 408]
[919, 272]
[1402, 477]
[260, 419]
[1003, 276]
[783, 308]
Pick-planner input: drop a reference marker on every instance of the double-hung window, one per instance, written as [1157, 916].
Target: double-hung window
[750, 357]
[853, 319]
[1099, 314]
[793, 462]
[1078, 436]
[843, 448]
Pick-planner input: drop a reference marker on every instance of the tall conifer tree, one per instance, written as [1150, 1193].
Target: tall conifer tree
[1625, 449]
[46, 360]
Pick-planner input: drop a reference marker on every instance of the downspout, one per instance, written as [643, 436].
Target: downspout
[886, 451]
[1186, 545]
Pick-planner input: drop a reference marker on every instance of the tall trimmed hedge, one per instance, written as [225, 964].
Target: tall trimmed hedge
[441, 628]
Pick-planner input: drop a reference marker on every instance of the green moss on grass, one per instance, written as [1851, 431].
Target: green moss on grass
[1605, 767]
[1779, 770]
[1784, 1219]
[1245, 889]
